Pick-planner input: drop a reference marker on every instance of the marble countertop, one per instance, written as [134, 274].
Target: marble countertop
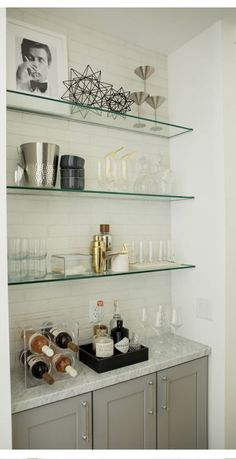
[164, 352]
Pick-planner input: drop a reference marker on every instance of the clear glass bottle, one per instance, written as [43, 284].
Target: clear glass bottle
[116, 315]
[99, 325]
[104, 345]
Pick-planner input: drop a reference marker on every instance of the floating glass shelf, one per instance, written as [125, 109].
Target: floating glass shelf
[58, 278]
[66, 110]
[13, 189]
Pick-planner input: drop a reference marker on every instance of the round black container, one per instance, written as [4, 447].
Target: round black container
[67, 173]
[71, 162]
[72, 182]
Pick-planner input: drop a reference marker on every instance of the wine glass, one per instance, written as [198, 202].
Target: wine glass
[160, 320]
[159, 323]
[144, 323]
[176, 319]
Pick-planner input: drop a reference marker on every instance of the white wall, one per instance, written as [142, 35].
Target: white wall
[5, 411]
[196, 98]
[70, 222]
[229, 76]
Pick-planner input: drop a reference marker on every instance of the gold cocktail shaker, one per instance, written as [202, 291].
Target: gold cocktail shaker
[98, 252]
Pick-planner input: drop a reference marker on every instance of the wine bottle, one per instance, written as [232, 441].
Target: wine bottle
[63, 364]
[62, 339]
[37, 342]
[38, 367]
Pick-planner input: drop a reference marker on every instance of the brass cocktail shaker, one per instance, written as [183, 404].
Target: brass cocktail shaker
[98, 252]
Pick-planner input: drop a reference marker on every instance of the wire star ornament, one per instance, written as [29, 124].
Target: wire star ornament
[119, 101]
[87, 89]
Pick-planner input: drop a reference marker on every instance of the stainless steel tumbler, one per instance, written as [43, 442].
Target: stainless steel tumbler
[39, 161]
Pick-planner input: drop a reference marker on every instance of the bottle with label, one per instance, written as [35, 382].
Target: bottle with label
[104, 345]
[63, 363]
[116, 315]
[37, 342]
[99, 325]
[62, 338]
[107, 238]
[120, 336]
[39, 367]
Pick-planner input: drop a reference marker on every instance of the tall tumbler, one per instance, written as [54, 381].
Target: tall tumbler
[17, 254]
[37, 260]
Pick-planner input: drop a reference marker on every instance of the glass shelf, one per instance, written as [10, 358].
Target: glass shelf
[13, 189]
[66, 110]
[58, 278]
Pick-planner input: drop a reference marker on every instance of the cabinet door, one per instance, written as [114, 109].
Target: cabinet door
[182, 406]
[61, 425]
[124, 415]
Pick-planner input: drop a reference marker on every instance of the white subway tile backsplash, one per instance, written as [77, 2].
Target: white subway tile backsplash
[69, 221]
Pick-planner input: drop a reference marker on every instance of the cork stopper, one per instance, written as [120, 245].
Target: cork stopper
[104, 228]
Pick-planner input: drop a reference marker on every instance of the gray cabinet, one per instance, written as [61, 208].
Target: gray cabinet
[164, 410]
[61, 425]
[182, 406]
[124, 415]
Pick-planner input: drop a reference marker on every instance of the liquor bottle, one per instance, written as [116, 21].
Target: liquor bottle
[104, 345]
[120, 336]
[62, 338]
[99, 325]
[37, 342]
[38, 367]
[116, 315]
[107, 238]
[62, 363]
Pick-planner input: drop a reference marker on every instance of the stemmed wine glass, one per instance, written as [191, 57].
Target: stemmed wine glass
[144, 323]
[175, 322]
[158, 325]
[176, 319]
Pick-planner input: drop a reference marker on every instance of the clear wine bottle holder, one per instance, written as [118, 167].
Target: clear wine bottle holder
[68, 326]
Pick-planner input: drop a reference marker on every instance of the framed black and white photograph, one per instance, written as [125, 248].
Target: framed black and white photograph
[37, 63]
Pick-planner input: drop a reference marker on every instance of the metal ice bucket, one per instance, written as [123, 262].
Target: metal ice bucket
[38, 166]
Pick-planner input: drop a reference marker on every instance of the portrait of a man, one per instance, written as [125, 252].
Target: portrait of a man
[33, 73]
[36, 65]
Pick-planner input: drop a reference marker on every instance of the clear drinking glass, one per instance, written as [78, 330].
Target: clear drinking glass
[37, 260]
[17, 258]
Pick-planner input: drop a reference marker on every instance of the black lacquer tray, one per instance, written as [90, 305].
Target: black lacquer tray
[118, 360]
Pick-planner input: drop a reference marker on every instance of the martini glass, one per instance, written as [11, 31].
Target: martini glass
[144, 72]
[139, 98]
[176, 319]
[155, 102]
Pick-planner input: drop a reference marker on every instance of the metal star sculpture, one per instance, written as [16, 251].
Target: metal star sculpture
[119, 101]
[87, 89]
